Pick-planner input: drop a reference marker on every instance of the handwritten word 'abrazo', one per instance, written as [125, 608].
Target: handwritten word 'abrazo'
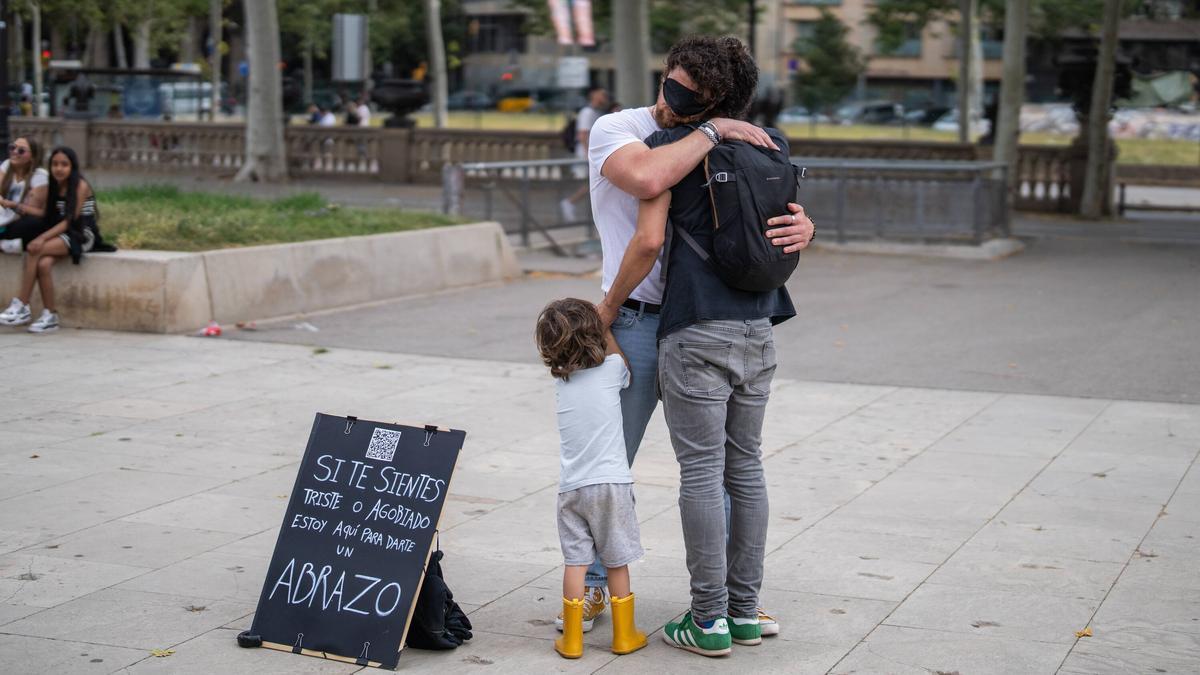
[389, 480]
[310, 585]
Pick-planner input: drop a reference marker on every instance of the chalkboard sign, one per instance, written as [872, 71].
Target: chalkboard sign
[351, 554]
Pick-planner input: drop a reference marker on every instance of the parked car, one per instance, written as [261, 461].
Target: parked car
[469, 100]
[949, 122]
[561, 100]
[515, 100]
[798, 114]
[925, 117]
[872, 112]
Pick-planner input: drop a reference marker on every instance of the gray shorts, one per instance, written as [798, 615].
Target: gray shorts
[599, 519]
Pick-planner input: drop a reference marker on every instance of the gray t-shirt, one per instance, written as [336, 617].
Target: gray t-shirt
[589, 424]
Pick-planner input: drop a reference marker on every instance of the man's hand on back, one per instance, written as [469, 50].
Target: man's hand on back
[797, 232]
[737, 130]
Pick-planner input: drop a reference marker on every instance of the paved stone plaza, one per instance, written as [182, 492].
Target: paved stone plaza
[912, 530]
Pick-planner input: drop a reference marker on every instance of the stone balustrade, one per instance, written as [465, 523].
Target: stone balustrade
[418, 155]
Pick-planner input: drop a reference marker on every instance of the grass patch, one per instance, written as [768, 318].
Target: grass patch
[169, 219]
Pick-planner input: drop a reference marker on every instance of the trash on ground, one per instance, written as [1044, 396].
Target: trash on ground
[213, 329]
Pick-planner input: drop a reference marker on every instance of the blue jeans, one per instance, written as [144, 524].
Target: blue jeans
[637, 334]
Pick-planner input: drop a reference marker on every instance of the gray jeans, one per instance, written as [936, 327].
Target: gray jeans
[715, 379]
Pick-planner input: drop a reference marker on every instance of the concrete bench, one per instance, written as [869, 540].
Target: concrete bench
[170, 292]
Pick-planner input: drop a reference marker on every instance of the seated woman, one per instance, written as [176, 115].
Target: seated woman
[23, 185]
[71, 231]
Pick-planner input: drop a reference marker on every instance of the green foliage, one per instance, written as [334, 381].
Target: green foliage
[669, 19]
[397, 33]
[1048, 18]
[833, 64]
[167, 218]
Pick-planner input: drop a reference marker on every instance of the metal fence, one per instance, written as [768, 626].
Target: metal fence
[850, 199]
[906, 200]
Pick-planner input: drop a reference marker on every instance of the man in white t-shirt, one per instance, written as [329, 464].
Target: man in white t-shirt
[624, 170]
[598, 104]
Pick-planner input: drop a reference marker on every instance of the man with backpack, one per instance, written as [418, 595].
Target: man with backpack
[575, 138]
[625, 169]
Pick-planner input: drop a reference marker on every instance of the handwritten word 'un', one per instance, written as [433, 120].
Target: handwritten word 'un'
[421, 486]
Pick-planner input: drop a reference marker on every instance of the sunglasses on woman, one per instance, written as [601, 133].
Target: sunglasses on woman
[18, 150]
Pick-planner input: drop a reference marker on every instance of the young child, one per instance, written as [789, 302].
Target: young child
[595, 491]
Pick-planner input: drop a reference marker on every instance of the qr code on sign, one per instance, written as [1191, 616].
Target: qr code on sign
[383, 445]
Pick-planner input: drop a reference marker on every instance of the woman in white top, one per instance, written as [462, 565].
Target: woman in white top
[23, 187]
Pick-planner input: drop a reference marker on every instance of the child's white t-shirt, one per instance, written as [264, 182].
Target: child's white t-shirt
[589, 423]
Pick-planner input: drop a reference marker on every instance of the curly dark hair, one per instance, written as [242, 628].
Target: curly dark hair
[570, 337]
[722, 68]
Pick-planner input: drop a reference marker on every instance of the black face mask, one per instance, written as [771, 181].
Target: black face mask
[681, 100]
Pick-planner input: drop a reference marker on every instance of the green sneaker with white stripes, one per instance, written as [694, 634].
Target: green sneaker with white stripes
[745, 631]
[686, 634]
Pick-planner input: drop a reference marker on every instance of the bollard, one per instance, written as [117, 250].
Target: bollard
[452, 189]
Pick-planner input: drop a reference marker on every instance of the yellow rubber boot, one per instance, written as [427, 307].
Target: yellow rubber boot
[626, 637]
[570, 645]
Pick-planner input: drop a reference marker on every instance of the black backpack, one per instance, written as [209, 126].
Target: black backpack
[438, 622]
[748, 184]
[570, 137]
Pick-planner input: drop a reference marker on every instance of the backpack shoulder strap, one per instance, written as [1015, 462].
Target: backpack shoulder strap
[672, 230]
[690, 241]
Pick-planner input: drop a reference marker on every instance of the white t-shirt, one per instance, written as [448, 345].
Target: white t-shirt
[364, 115]
[613, 210]
[327, 120]
[589, 424]
[585, 120]
[17, 190]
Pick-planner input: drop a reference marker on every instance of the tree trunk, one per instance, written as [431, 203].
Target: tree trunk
[975, 83]
[119, 43]
[1097, 196]
[215, 30]
[308, 68]
[437, 60]
[37, 58]
[265, 159]
[96, 50]
[187, 43]
[18, 48]
[631, 45]
[141, 45]
[964, 71]
[1012, 91]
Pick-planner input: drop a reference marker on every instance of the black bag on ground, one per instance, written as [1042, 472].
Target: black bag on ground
[438, 622]
[748, 184]
[570, 137]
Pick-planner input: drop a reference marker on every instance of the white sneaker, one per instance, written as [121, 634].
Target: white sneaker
[12, 246]
[17, 314]
[567, 209]
[47, 322]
